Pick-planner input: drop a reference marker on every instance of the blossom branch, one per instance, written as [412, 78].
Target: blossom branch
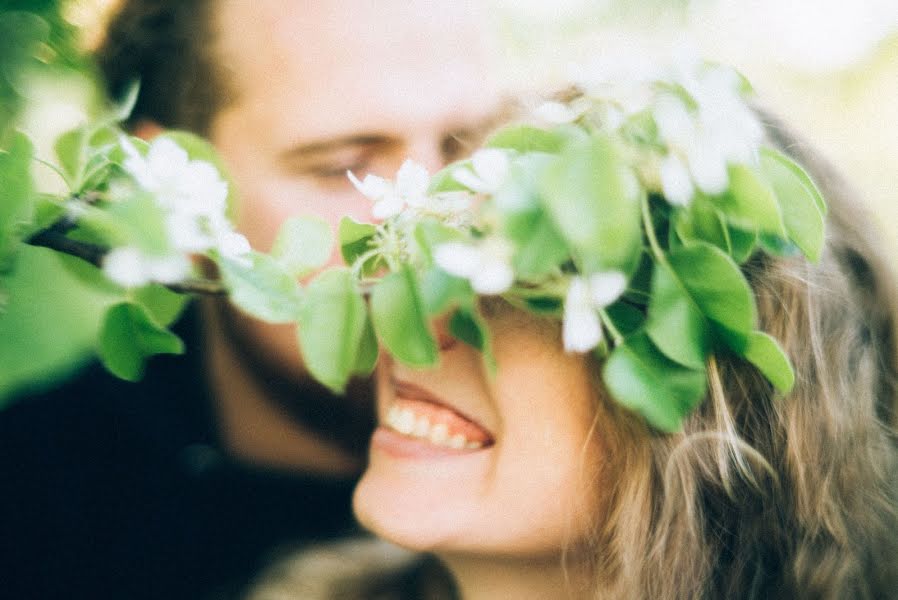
[54, 239]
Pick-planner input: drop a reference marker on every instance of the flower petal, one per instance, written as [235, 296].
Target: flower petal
[457, 258]
[708, 167]
[388, 206]
[492, 277]
[467, 178]
[167, 269]
[373, 187]
[605, 288]
[581, 330]
[186, 234]
[412, 181]
[125, 267]
[675, 181]
[491, 165]
[166, 159]
[674, 121]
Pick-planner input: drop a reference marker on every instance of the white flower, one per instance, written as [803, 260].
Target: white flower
[581, 327]
[489, 168]
[486, 265]
[179, 184]
[675, 181]
[130, 267]
[390, 199]
[559, 113]
[720, 131]
[191, 193]
[193, 198]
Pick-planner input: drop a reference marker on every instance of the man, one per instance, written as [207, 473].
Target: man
[135, 491]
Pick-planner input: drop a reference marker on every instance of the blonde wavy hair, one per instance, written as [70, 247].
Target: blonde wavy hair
[764, 496]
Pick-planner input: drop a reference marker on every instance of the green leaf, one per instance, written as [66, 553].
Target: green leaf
[525, 138]
[701, 221]
[71, 148]
[262, 288]
[107, 142]
[430, 233]
[467, 325]
[129, 336]
[520, 193]
[764, 352]
[546, 305]
[441, 291]
[443, 181]
[717, 287]
[627, 318]
[465, 328]
[641, 378]
[16, 191]
[368, 350]
[121, 110]
[51, 317]
[750, 203]
[540, 248]
[332, 329]
[743, 243]
[800, 202]
[400, 319]
[675, 323]
[355, 238]
[138, 221]
[303, 245]
[163, 305]
[778, 246]
[799, 173]
[593, 199]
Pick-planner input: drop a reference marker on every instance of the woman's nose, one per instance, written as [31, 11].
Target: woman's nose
[445, 340]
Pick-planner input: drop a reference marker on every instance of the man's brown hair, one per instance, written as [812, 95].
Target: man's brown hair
[166, 45]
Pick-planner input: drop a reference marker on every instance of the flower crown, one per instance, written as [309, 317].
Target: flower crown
[624, 212]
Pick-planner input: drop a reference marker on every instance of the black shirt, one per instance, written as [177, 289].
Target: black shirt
[117, 490]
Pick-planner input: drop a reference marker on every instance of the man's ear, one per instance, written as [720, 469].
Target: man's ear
[147, 129]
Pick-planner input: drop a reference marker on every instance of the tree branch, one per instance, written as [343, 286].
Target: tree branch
[54, 239]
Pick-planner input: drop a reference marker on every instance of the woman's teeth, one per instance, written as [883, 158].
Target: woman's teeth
[406, 422]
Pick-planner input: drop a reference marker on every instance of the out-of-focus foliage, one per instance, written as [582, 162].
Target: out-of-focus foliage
[33, 35]
[49, 317]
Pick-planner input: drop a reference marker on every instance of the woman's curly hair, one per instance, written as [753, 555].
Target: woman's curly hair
[761, 495]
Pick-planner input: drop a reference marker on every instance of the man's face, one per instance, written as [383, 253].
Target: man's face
[334, 85]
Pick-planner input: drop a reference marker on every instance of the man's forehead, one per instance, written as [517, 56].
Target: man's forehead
[327, 35]
[344, 67]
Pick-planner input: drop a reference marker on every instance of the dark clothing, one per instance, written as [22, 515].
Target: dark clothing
[115, 490]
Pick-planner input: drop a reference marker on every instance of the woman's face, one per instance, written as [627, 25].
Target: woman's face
[465, 463]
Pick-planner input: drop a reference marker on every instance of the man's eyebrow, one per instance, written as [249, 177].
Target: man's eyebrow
[324, 146]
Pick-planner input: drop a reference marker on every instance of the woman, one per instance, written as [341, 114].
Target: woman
[537, 482]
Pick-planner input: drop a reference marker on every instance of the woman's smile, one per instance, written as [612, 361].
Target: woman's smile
[418, 423]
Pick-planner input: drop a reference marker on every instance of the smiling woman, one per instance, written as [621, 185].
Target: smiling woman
[534, 484]
[537, 480]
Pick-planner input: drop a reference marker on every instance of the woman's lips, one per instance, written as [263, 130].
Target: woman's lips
[418, 414]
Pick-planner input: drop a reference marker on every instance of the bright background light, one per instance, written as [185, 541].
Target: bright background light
[829, 67]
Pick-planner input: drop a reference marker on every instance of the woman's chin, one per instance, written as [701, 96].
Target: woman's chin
[419, 515]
